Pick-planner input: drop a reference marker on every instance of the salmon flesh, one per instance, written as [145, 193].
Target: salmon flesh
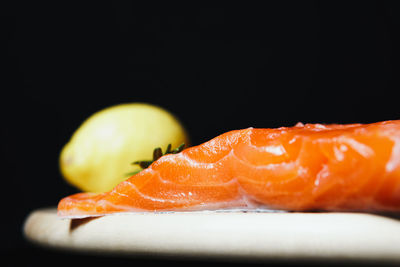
[352, 167]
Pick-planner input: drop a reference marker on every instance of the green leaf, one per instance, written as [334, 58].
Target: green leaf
[178, 149]
[168, 149]
[157, 153]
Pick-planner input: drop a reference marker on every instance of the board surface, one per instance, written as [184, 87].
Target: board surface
[251, 235]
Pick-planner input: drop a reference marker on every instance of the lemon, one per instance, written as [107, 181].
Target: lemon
[100, 152]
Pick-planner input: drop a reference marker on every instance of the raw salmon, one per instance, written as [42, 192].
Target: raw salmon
[353, 167]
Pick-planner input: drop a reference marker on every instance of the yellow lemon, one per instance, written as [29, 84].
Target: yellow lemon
[100, 152]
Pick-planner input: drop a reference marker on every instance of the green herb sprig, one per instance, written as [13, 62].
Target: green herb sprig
[157, 153]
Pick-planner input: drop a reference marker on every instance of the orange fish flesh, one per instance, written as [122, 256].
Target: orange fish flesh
[353, 167]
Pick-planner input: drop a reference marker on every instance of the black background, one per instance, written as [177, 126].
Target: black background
[217, 68]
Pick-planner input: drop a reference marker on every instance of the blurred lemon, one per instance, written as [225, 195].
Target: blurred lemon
[100, 152]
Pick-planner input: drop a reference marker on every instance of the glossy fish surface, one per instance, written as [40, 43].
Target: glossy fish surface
[335, 167]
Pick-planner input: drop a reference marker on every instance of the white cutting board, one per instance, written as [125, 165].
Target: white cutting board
[230, 235]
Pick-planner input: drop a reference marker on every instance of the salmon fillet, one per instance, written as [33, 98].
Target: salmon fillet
[353, 167]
